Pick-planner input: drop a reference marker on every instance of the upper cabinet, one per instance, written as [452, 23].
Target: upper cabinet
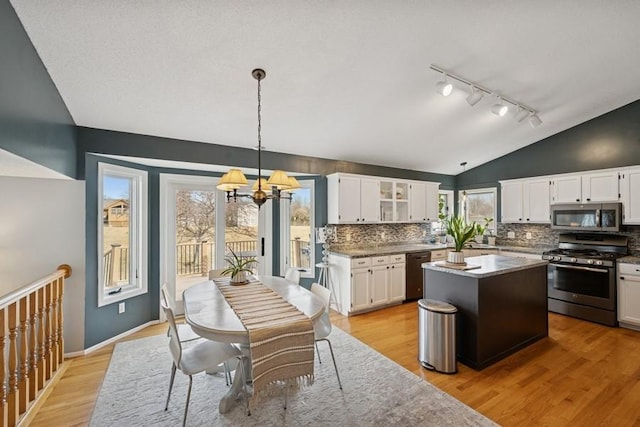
[525, 200]
[358, 199]
[394, 201]
[630, 195]
[352, 199]
[424, 201]
[585, 188]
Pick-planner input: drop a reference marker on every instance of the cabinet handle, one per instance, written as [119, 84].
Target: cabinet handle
[519, 219]
[621, 277]
[577, 200]
[387, 267]
[588, 199]
[527, 219]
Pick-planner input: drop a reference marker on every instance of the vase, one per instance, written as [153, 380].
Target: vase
[479, 238]
[239, 278]
[491, 240]
[454, 257]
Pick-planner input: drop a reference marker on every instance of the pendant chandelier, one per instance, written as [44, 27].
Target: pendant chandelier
[278, 186]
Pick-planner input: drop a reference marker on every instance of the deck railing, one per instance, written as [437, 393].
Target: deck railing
[31, 343]
[196, 258]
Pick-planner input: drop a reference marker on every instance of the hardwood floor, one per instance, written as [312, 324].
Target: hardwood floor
[582, 374]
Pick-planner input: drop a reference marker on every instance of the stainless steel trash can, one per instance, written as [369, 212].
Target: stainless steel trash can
[437, 336]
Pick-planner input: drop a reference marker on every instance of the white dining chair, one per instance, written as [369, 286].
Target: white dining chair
[200, 357]
[292, 275]
[322, 325]
[186, 333]
[215, 274]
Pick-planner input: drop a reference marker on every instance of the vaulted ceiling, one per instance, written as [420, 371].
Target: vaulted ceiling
[345, 80]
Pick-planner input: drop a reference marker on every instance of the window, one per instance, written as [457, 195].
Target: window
[122, 233]
[445, 209]
[478, 204]
[298, 224]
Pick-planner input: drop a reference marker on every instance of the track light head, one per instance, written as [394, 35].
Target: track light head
[499, 109]
[475, 96]
[535, 121]
[443, 87]
[522, 114]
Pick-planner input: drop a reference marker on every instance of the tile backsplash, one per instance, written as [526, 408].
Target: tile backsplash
[542, 236]
[353, 235]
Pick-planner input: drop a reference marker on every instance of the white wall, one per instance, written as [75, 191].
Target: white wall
[42, 226]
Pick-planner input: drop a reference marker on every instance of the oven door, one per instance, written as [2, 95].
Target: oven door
[585, 285]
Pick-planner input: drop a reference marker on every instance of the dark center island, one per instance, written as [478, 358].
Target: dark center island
[502, 305]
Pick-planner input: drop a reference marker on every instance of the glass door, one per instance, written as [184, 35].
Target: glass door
[188, 223]
[198, 227]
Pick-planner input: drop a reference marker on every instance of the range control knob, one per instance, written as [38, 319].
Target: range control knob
[556, 258]
[590, 261]
[574, 259]
[599, 262]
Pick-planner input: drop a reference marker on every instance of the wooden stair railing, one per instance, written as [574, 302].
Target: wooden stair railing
[31, 343]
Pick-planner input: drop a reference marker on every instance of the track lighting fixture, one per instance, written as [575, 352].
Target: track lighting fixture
[522, 114]
[499, 109]
[477, 92]
[444, 87]
[475, 96]
[535, 121]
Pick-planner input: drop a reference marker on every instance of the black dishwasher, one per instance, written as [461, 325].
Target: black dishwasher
[414, 274]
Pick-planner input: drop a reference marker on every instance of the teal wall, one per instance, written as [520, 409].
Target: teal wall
[34, 121]
[610, 140]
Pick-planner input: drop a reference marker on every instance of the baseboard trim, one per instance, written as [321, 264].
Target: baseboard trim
[42, 396]
[110, 340]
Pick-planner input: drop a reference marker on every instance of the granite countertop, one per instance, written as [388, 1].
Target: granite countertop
[390, 249]
[629, 260]
[490, 265]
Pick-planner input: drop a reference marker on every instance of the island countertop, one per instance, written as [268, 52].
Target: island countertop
[490, 265]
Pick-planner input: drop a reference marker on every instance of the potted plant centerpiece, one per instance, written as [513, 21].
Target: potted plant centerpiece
[461, 232]
[238, 268]
[480, 229]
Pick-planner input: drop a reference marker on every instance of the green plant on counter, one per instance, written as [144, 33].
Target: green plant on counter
[487, 225]
[460, 231]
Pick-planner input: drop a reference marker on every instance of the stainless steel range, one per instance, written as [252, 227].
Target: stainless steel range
[581, 276]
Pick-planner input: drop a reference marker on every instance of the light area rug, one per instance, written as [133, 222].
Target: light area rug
[376, 392]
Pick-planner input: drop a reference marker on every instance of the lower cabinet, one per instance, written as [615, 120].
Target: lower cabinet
[397, 278]
[364, 284]
[439, 255]
[629, 295]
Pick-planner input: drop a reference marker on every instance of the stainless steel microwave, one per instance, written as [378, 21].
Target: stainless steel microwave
[587, 216]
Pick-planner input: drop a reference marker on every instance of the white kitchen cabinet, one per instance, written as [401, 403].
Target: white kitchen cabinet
[584, 188]
[369, 193]
[358, 199]
[511, 201]
[566, 189]
[352, 199]
[630, 195]
[600, 187]
[379, 281]
[360, 277]
[423, 198]
[397, 278]
[394, 201]
[365, 284]
[629, 295]
[525, 201]
[418, 204]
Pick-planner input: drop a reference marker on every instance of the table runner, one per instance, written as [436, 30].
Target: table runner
[281, 338]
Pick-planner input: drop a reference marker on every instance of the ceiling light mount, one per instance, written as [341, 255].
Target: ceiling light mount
[477, 92]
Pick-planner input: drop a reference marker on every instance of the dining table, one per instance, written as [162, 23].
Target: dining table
[210, 316]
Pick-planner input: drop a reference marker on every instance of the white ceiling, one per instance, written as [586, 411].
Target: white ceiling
[345, 80]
